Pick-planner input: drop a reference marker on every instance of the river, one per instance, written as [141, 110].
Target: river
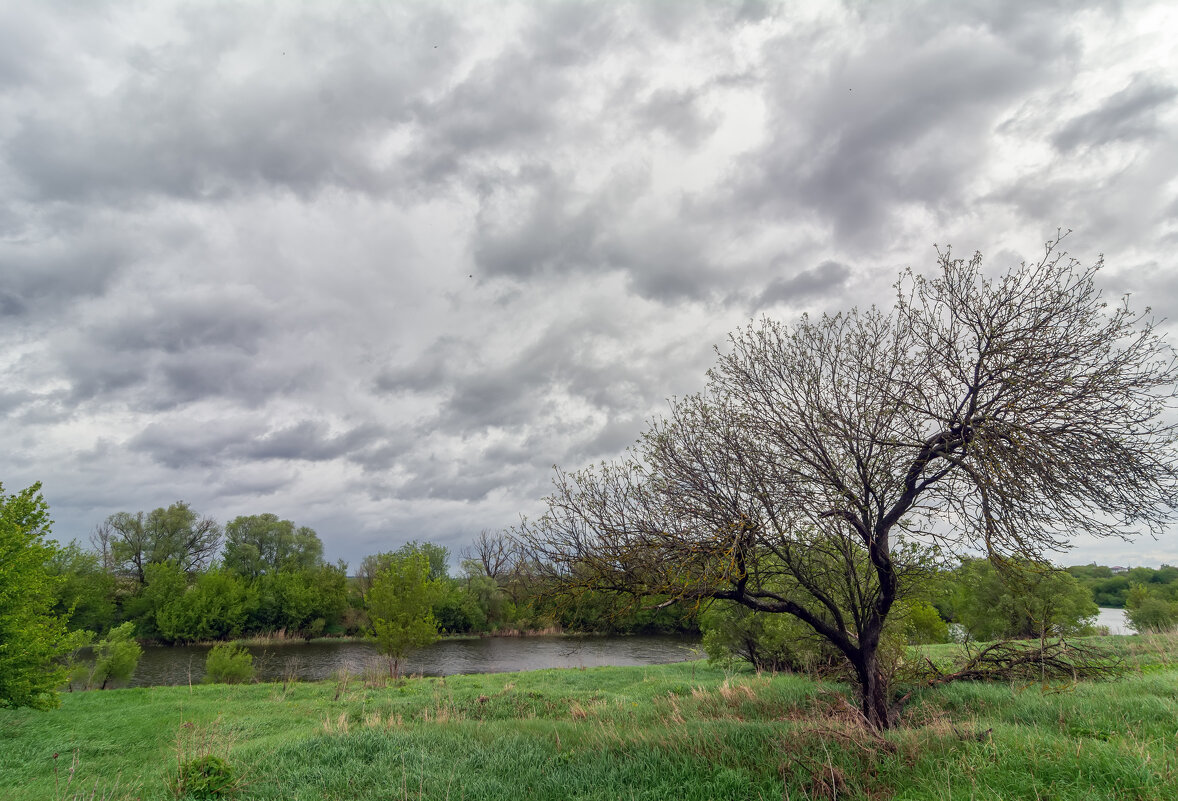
[322, 659]
[1114, 619]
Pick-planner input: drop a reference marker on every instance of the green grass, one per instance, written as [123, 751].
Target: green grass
[682, 732]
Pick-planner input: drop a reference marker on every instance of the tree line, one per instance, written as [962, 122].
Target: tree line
[178, 577]
[181, 577]
[175, 576]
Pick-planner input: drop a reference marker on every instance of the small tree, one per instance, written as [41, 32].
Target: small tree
[1000, 415]
[115, 657]
[31, 636]
[400, 607]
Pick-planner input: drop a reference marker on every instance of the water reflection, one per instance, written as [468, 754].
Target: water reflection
[322, 659]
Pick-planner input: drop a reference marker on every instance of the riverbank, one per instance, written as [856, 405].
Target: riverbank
[682, 731]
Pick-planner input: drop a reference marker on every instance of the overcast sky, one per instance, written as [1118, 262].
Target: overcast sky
[377, 267]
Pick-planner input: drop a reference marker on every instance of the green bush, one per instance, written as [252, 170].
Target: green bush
[116, 656]
[775, 642]
[1151, 607]
[228, 663]
[206, 776]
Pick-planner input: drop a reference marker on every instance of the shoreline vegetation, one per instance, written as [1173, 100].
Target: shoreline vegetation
[689, 730]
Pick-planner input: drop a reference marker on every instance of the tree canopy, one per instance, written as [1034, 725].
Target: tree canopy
[826, 459]
[30, 634]
[176, 534]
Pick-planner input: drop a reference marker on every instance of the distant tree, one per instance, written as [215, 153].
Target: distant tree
[176, 534]
[494, 553]
[286, 600]
[102, 543]
[1006, 415]
[31, 636]
[400, 607]
[261, 544]
[85, 592]
[436, 556]
[1151, 608]
[228, 663]
[1033, 600]
[215, 607]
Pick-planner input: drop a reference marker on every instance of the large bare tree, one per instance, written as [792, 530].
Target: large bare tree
[1000, 415]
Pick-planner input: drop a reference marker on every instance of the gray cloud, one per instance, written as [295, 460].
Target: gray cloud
[377, 268]
[1128, 114]
[802, 286]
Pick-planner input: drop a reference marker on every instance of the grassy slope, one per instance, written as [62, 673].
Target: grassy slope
[680, 732]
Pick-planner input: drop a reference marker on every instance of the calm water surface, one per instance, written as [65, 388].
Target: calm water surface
[321, 659]
[1114, 619]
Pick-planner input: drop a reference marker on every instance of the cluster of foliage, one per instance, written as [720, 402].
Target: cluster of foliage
[182, 578]
[115, 658]
[1112, 589]
[161, 571]
[978, 600]
[31, 636]
[1152, 607]
[228, 663]
[1019, 600]
[174, 576]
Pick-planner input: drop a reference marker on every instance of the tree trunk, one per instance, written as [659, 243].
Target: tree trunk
[873, 692]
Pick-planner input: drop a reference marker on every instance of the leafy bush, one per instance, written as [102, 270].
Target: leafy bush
[767, 641]
[116, 656]
[1149, 609]
[228, 663]
[204, 777]
[923, 624]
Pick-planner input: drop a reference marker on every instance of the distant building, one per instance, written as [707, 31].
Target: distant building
[1117, 569]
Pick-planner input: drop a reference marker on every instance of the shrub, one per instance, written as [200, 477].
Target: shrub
[204, 777]
[228, 663]
[766, 641]
[116, 656]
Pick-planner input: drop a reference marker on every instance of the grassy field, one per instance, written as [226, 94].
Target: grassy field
[682, 732]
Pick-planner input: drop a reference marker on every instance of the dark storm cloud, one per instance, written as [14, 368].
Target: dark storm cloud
[555, 230]
[545, 227]
[184, 323]
[816, 281]
[677, 113]
[569, 359]
[184, 442]
[41, 277]
[905, 118]
[188, 443]
[304, 121]
[170, 350]
[1128, 114]
[308, 440]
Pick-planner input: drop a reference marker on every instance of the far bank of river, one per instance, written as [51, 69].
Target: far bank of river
[321, 659]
